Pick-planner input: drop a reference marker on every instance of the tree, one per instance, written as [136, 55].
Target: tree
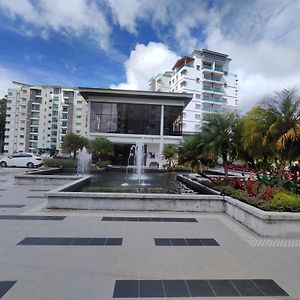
[283, 108]
[72, 142]
[170, 154]
[253, 148]
[191, 152]
[101, 148]
[219, 137]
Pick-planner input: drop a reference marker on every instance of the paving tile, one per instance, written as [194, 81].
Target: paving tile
[176, 288]
[113, 242]
[126, 289]
[247, 287]
[200, 288]
[64, 241]
[32, 218]
[29, 241]
[209, 242]
[97, 241]
[178, 242]
[269, 287]
[223, 288]
[11, 205]
[107, 219]
[35, 196]
[47, 241]
[194, 242]
[80, 241]
[162, 242]
[151, 288]
[5, 286]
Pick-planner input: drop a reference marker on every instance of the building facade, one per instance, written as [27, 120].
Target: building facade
[126, 117]
[38, 117]
[205, 74]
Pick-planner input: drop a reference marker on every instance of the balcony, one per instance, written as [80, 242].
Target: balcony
[213, 79]
[213, 109]
[215, 100]
[213, 89]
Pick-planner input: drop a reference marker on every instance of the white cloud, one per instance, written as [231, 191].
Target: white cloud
[74, 18]
[6, 77]
[144, 62]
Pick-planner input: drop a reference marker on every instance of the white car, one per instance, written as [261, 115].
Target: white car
[21, 159]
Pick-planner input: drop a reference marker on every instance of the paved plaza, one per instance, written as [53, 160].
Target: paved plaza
[103, 255]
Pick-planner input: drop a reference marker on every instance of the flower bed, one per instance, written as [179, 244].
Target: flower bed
[269, 194]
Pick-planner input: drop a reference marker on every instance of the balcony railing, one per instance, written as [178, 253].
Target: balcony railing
[211, 99]
[219, 69]
[212, 78]
[213, 109]
[211, 89]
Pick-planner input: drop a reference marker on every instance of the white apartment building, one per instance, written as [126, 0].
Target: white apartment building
[205, 74]
[160, 82]
[38, 117]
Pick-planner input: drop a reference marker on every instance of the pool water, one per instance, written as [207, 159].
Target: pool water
[122, 182]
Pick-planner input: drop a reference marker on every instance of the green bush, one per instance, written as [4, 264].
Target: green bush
[61, 163]
[284, 202]
[292, 187]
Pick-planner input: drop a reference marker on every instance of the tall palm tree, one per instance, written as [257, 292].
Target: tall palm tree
[284, 131]
[219, 137]
[253, 130]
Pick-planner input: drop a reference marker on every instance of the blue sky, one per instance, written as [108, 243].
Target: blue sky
[122, 43]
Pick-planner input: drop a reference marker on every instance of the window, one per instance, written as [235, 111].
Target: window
[10, 93]
[78, 108]
[197, 96]
[198, 106]
[197, 116]
[78, 117]
[225, 85]
[197, 126]
[8, 108]
[198, 67]
[22, 129]
[197, 80]
[21, 136]
[78, 124]
[56, 90]
[125, 118]
[79, 102]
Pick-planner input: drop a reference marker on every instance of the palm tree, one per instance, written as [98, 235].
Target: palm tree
[101, 148]
[219, 137]
[191, 152]
[72, 142]
[253, 129]
[170, 154]
[284, 131]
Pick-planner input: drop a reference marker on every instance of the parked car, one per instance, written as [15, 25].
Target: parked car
[21, 159]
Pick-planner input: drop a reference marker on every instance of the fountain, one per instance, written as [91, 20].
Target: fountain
[137, 152]
[83, 159]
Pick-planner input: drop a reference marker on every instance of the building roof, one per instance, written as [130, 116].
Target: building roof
[182, 61]
[210, 53]
[86, 92]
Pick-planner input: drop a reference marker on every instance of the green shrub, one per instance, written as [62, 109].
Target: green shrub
[61, 163]
[284, 202]
[292, 187]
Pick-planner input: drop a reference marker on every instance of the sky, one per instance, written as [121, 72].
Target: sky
[123, 43]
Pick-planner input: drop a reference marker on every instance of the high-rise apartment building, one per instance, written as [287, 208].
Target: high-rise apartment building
[38, 117]
[205, 74]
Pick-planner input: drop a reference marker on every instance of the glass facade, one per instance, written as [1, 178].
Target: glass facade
[172, 120]
[128, 118]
